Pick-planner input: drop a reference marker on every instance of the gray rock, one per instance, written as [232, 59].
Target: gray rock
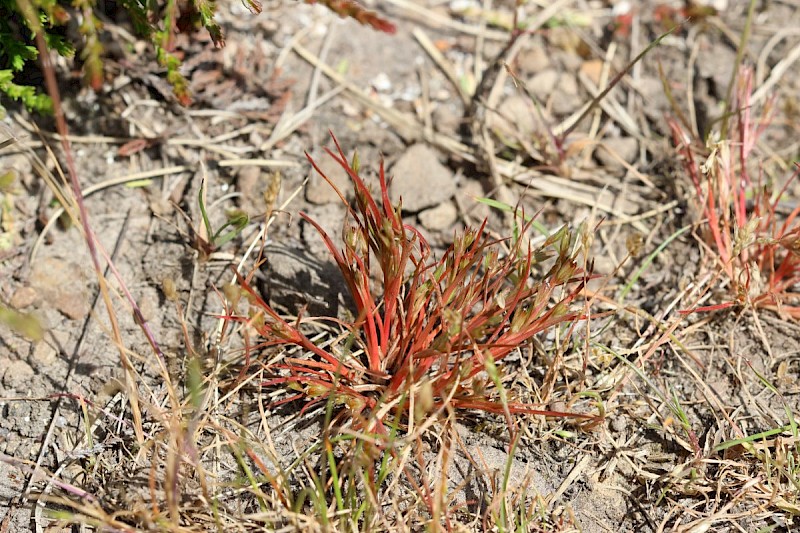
[421, 180]
[468, 193]
[716, 62]
[533, 59]
[148, 303]
[17, 376]
[319, 191]
[543, 83]
[569, 60]
[447, 116]
[294, 280]
[440, 217]
[247, 182]
[24, 297]
[330, 218]
[515, 117]
[619, 423]
[566, 99]
[44, 356]
[609, 153]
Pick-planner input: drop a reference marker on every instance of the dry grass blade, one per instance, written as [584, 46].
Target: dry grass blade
[778, 72]
[138, 176]
[567, 129]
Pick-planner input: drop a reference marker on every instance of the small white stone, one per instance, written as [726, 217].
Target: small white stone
[621, 8]
[382, 83]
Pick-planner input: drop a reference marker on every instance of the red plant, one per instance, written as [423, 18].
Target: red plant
[436, 326]
[758, 252]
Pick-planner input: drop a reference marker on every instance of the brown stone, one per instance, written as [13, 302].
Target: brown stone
[24, 297]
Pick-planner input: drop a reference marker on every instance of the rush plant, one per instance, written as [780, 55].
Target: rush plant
[427, 332]
[746, 222]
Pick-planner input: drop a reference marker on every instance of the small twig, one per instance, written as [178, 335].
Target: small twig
[573, 476]
[602, 82]
[636, 72]
[171, 141]
[89, 236]
[555, 187]
[763, 56]
[612, 108]
[425, 111]
[690, 81]
[287, 126]
[266, 163]
[480, 41]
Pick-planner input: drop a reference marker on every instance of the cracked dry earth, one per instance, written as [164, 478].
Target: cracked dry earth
[452, 124]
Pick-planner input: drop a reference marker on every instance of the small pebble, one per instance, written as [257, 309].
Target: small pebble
[24, 297]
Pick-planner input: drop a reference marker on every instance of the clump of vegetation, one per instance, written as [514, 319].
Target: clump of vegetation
[433, 331]
[427, 340]
[755, 246]
[158, 22]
